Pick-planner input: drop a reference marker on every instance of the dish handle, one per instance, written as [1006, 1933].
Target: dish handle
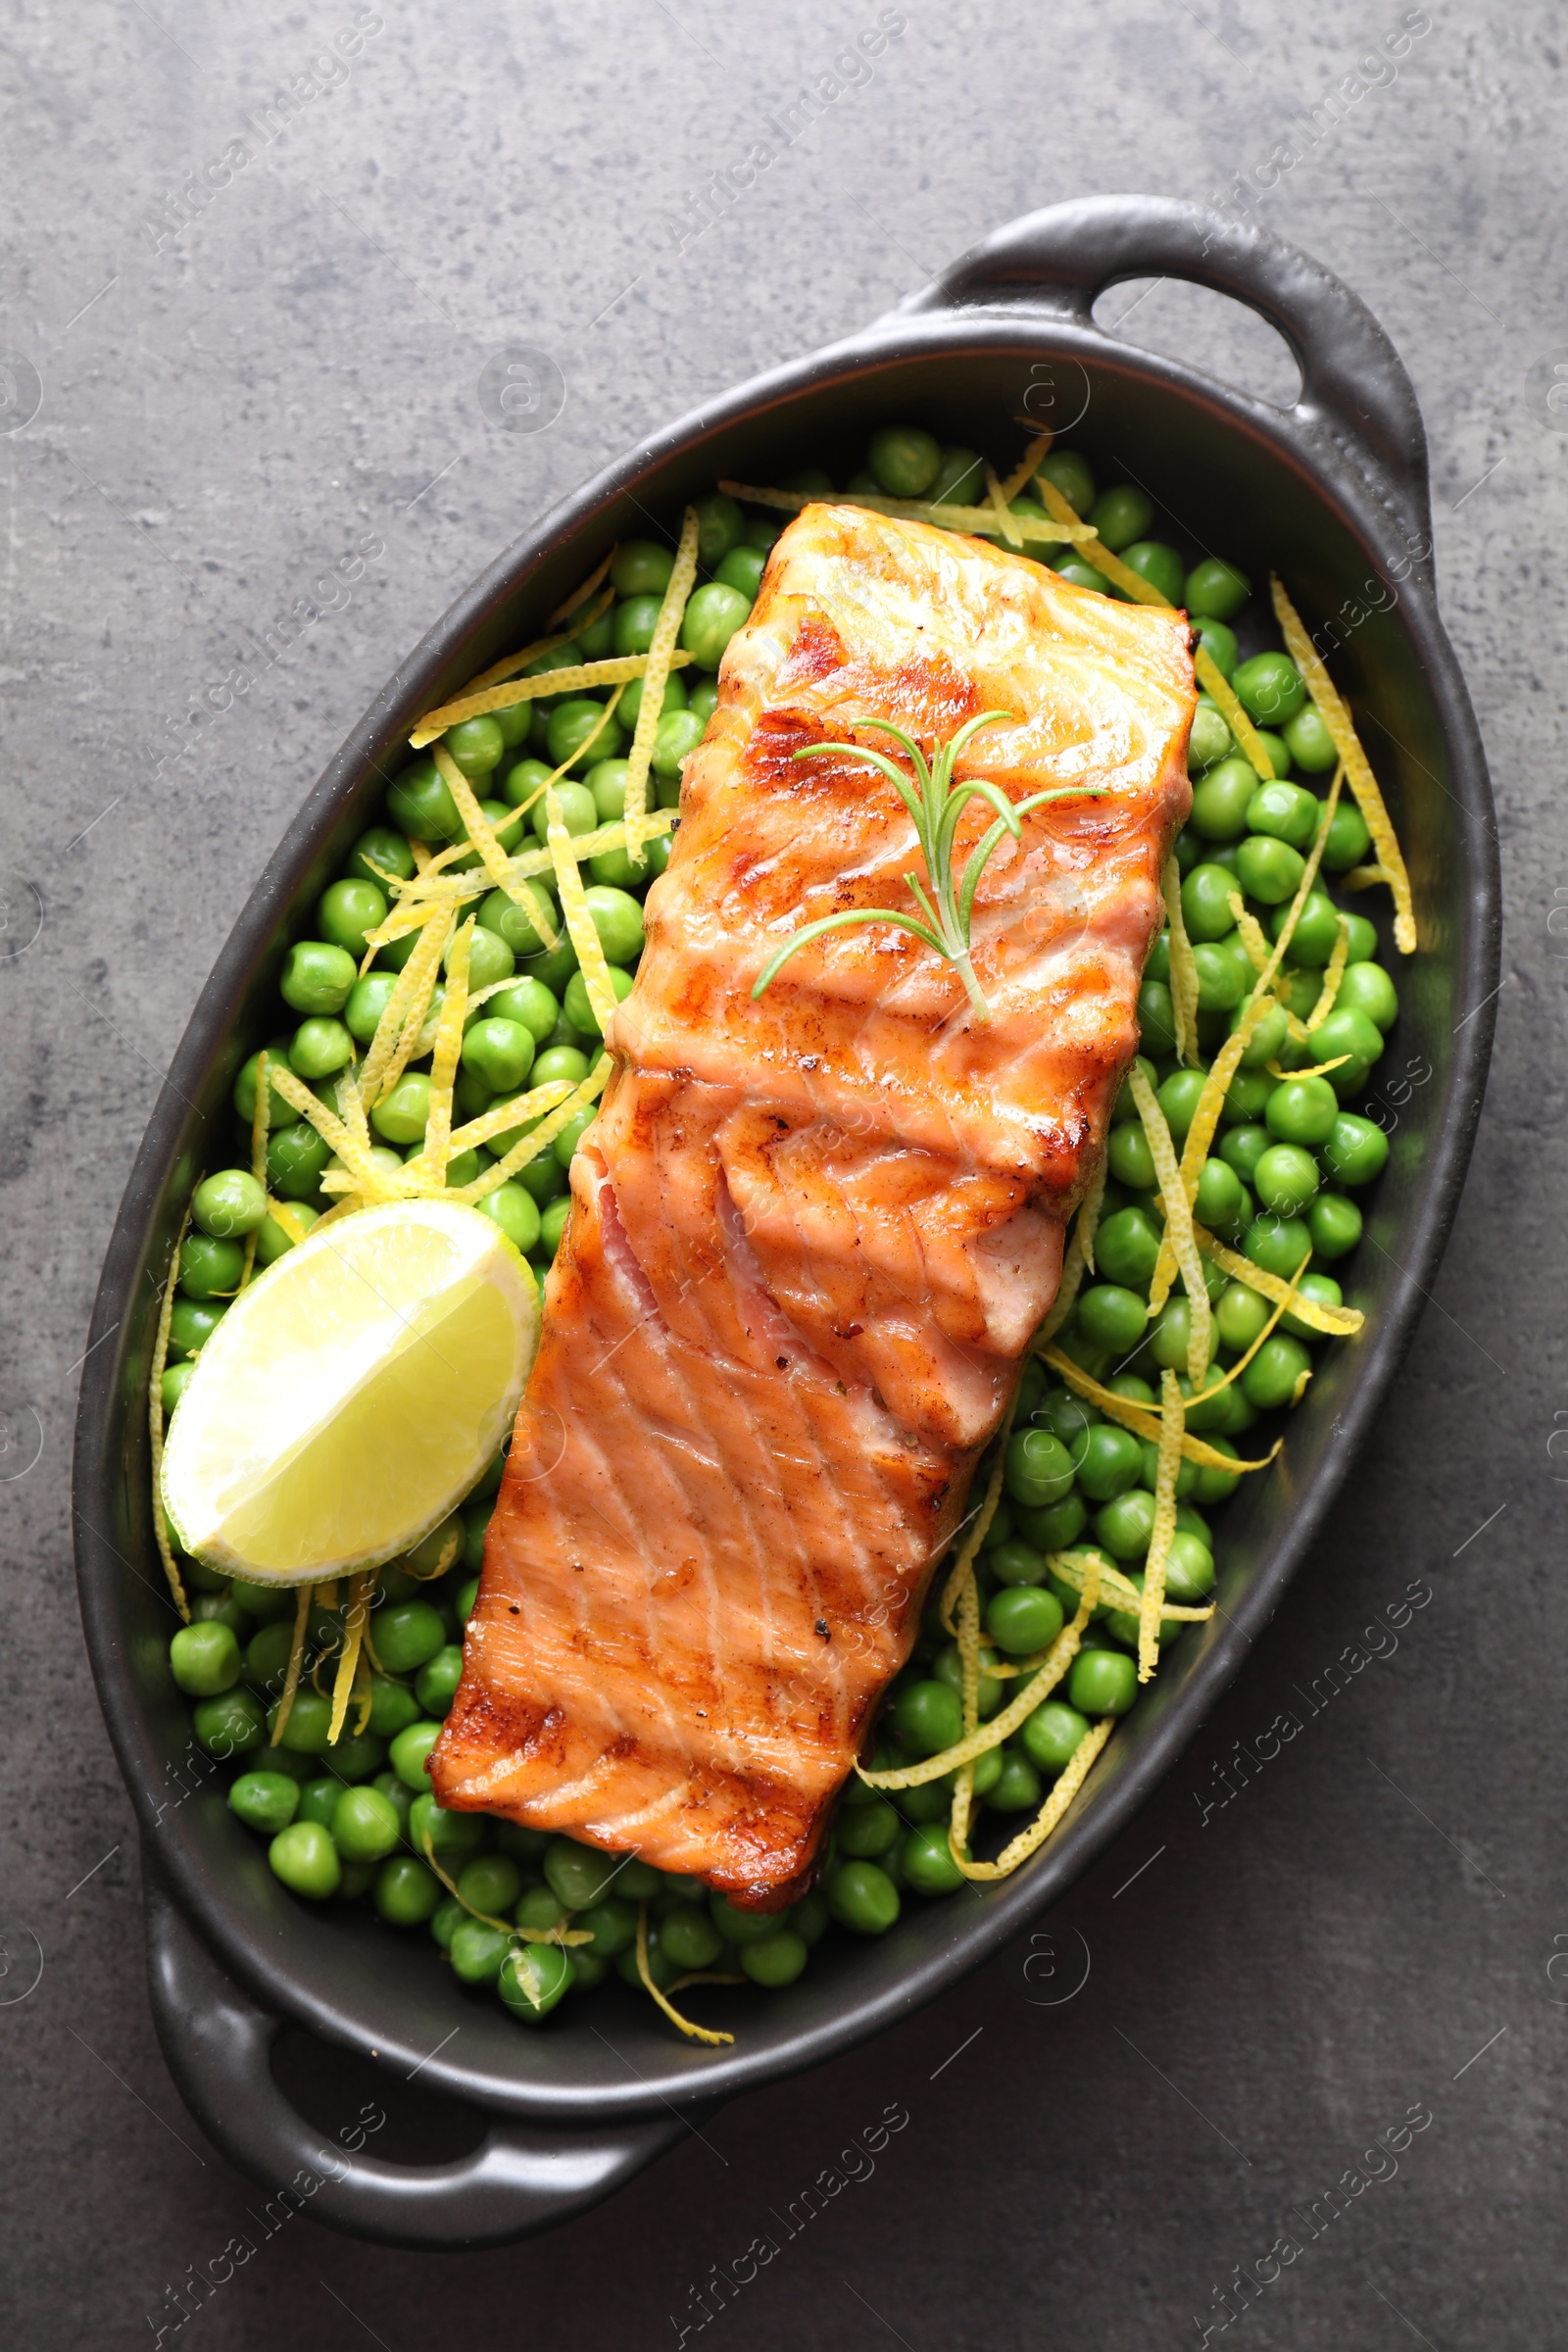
[1353, 382]
[522, 2179]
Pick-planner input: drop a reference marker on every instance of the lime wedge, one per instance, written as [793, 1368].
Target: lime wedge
[352, 1394]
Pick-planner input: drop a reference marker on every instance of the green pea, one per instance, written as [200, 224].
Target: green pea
[476, 746]
[402, 1115]
[1285, 811]
[1221, 980]
[1277, 751]
[410, 1755]
[1018, 1787]
[948, 1667]
[317, 976]
[712, 616]
[318, 1048]
[1053, 1735]
[869, 1832]
[1301, 1110]
[1207, 895]
[348, 909]
[1239, 1315]
[720, 525]
[449, 1835]
[175, 1381]
[1078, 572]
[702, 699]
[580, 1875]
[1215, 590]
[296, 1161]
[1270, 688]
[675, 738]
[420, 805]
[262, 1601]
[1058, 1526]
[641, 568]
[1015, 1562]
[380, 851]
[516, 1213]
[499, 1053]
[364, 1825]
[230, 1203]
[406, 1892]
[502, 920]
[1131, 1161]
[477, 1950]
[863, 1898]
[524, 781]
[1268, 869]
[1124, 1526]
[1157, 1018]
[566, 1144]
[1111, 1463]
[927, 1718]
[1127, 1244]
[742, 570]
[1170, 1333]
[1286, 1179]
[204, 1659]
[777, 1960]
[635, 622]
[278, 1112]
[1367, 989]
[740, 1927]
[1345, 1032]
[1207, 742]
[1148, 1469]
[1336, 1225]
[1270, 1379]
[406, 1635]
[1025, 1618]
[304, 1858]
[579, 728]
[1356, 1152]
[436, 1685]
[1218, 641]
[958, 481]
[1268, 1042]
[559, 1061]
[1067, 471]
[1039, 1468]
[529, 1004]
[617, 918]
[1109, 1317]
[1103, 1682]
[1277, 1244]
[1311, 746]
[1121, 515]
[925, 1861]
[210, 1268]
[1349, 842]
[1316, 934]
[1221, 1195]
[1318, 1290]
[367, 1000]
[577, 1005]
[1179, 1098]
[392, 1706]
[265, 1800]
[1161, 566]
[534, 1981]
[904, 459]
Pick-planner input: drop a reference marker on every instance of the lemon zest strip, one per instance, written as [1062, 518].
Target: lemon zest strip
[1217, 685]
[493, 858]
[1336, 716]
[1183, 964]
[1178, 1224]
[1335, 1322]
[296, 1659]
[1017, 481]
[692, 2031]
[508, 1927]
[1172, 1429]
[1139, 1418]
[1318, 1069]
[616, 670]
[1029, 1841]
[1050, 1666]
[660, 652]
[354, 1617]
[437, 1148]
[528, 1147]
[969, 1550]
[1333, 974]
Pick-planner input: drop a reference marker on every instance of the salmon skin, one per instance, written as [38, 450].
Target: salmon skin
[811, 1236]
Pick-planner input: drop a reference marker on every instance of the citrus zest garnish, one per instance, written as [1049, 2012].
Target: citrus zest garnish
[1063, 1791]
[1333, 973]
[693, 2032]
[354, 1618]
[492, 856]
[1178, 1224]
[1172, 1428]
[666, 629]
[1183, 964]
[296, 1659]
[617, 669]
[1336, 716]
[980, 522]
[1140, 1418]
[1335, 1322]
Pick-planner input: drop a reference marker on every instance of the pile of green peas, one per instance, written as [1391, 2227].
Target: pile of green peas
[351, 1820]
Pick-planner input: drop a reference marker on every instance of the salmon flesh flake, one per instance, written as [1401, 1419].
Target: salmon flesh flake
[810, 1237]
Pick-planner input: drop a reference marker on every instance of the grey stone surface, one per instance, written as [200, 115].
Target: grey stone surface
[227, 410]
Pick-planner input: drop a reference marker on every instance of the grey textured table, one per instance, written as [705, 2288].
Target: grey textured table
[226, 408]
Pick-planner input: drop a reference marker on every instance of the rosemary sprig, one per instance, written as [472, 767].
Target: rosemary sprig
[935, 804]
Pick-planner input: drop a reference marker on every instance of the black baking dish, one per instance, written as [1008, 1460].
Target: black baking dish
[1334, 492]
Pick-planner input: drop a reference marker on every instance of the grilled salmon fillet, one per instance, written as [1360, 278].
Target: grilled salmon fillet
[811, 1236]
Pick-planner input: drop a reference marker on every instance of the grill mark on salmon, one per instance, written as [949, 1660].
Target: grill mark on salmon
[811, 1236]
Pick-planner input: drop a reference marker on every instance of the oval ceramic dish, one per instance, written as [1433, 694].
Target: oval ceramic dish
[1333, 492]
